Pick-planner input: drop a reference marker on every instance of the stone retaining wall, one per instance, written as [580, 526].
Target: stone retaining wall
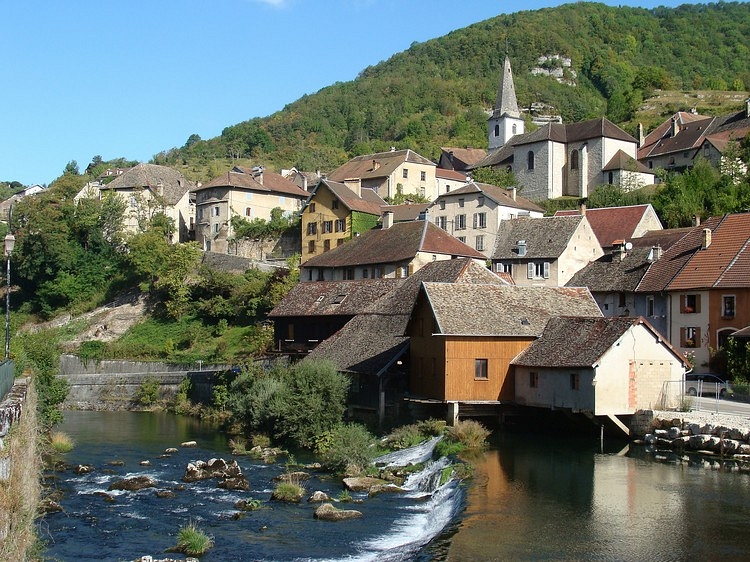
[11, 409]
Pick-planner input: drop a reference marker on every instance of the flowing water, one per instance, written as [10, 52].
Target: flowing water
[532, 497]
[394, 526]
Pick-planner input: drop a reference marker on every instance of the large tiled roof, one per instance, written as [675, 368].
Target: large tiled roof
[153, 177]
[692, 129]
[503, 310]
[499, 195]
[379, 165]
[673, 260]
[613, 223]
[369, 202]
[726, 261]
[400, 242]
[611, 274]
[332, 298]
[546, 237]
[570, 342]
[464, 156]
[372, 340]
[267, 182]
[407, 212]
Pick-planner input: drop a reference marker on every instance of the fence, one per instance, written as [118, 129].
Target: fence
[6, 377]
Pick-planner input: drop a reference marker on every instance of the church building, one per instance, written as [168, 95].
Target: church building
[558, 159]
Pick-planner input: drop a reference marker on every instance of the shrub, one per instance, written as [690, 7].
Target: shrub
[148, 392]
[192, 541]
[470, 433]
[61, 442]
[405, 436]
[288, 492]
[92, 350]
[432, 427]
[448, 448]
[345, 496]
[351, 448]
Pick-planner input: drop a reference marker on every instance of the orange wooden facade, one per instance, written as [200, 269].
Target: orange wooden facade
[445, 367]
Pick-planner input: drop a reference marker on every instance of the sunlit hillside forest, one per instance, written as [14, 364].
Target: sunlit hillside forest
[437, 93]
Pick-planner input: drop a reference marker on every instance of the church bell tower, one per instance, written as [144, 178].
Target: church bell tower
[506, 120]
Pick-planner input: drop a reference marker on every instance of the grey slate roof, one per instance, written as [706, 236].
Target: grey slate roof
[611, 274]
[332, 298]
[579, 342]
[546, 237]
[506, 102]
[153, 177]
[371, 341]
[503, 310]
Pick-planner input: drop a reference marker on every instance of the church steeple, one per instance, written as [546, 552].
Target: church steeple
[506, 118]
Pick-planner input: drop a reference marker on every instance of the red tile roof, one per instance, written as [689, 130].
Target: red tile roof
[370, 202]
[400, 242]
[379, 165]
[271, 183]
[612, 223]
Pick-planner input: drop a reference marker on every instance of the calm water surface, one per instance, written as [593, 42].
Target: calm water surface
[532, 498]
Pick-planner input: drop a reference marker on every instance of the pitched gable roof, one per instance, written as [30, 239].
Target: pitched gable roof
[463, 157]
[503, 310]
[610, 273]
[499, 195]
[673, 260]
[378, 165]
[623, 161]
[265, 182]
[154, 178]
[400, 242]
[332, 298]
[570, 342]
[369, 202]
[546, 237]
[691, 129]
[613, 223]
[725, 262]
[406, 212]
[371, 341]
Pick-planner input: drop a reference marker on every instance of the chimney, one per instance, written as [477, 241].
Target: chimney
[696, 220]
[355, 184]
[513, 193]
[706, 239]
[375, 164]
[641, 136]
[618, 250]
[387, 219]
[654, 254]
[583, 209]
[675, 127]
[747, 108]
[393, 149]
[258, 174]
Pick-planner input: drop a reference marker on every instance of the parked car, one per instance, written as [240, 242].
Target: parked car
[707, 384]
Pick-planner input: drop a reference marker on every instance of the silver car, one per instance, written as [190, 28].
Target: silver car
[707, 384]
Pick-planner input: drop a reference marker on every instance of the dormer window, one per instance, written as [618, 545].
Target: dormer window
[521, 248]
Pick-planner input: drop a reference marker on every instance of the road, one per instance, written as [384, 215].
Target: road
[721, 406]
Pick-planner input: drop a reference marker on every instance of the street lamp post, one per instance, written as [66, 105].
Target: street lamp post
[9, 243]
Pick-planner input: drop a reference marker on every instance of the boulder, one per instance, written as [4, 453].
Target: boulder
[133, 484]
[380, 488]
[214, 468]
[167, 494]
[319, 497]
[170, 450]
[362, 483]
[674, 432]
[83, 468]
[235, 483]
[292, 477]
[188, 444]
[327, 512]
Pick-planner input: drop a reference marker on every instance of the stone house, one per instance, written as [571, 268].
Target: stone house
[449, 180]
[394, 250]
[334, 213]
[544, 251]
[599, 366]
[464, 338]
[148, 189]
[247, 193]
[390, 173]
[474, 212]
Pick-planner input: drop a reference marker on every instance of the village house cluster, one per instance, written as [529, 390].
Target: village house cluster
[473, 302]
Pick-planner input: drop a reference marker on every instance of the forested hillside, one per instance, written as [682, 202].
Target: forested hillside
[437, 93]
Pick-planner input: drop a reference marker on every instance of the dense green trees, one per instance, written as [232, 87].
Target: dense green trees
[437, 93]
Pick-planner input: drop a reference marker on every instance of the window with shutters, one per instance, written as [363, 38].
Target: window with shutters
[690, 336]
[327, 227]
[460, 222]
[340, 225]
[312, 228]
[690, 304]
[480, 220]
[538, 270]
[479, 243]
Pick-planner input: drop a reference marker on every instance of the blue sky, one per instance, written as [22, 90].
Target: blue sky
[131, 78]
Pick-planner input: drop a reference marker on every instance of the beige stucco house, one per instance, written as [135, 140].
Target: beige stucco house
[474, 212]
[544, 251]
[600, 366]
[390, 173]
[248, 193]
[148, 189]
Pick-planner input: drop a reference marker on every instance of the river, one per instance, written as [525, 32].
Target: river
[533, 497]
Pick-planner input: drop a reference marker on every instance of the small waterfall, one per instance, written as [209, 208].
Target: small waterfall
[413, 455]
